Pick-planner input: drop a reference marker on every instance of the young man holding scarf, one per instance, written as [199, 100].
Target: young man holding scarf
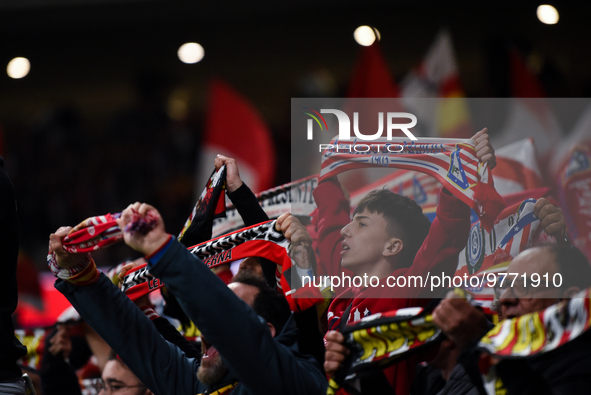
[388, 236]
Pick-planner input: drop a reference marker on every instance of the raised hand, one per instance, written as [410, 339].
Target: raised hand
[293, 230]
[233, 180]
[145, 240]
[64, 258]
[551, 219]
[484, 150]
[335, 353]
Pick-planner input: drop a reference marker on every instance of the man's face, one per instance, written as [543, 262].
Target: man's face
[253, 264]
[119, 379]
[301, 256]
[523, 298]
[212, 368]
[365, 240]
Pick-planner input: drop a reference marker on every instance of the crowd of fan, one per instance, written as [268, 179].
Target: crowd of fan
[251, 339]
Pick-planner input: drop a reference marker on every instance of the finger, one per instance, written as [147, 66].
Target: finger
[331, 367]
[480, 133]
[127, 214]
[144, 208]
[485, 158]
[287, 233]
[484, 147]
[147, 209]
[54, 350]
[61, 344]
[550, 219]
[229, 162]
[539, 205]
[335, 336]
[282, 218]
[334, 357]
[486, 150]
[337, 348]
[441, 314]
[483, 142]
[547, 210]
[127, 267]
[286, 225]
[556, 229]
[55, 240]
[63, 231]
[218, 162]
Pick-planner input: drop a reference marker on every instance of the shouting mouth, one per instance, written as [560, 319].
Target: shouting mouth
[344, 247]
[207, 350]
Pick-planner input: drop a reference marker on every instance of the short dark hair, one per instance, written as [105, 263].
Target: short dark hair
[572, 265]
[268, 303]
[404, 217]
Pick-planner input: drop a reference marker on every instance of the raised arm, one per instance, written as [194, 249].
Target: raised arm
[259, 362]
[240, 194]
[161, 366]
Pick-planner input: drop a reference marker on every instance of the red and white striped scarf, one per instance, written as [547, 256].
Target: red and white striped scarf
[102, 230]
[452, 162]
[93, 233]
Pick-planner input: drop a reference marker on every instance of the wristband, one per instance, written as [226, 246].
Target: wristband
[88, 276]
[82, 273]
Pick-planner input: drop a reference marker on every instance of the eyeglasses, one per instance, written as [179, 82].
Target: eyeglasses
[99, 385]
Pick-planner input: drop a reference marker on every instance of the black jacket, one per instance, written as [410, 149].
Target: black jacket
[10, 348]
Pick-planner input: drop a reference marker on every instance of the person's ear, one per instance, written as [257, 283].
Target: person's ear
[572, 291]
[271, 329]
[393, 246]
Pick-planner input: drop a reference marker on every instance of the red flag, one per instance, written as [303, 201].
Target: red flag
[371, 77]
[234, 128]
